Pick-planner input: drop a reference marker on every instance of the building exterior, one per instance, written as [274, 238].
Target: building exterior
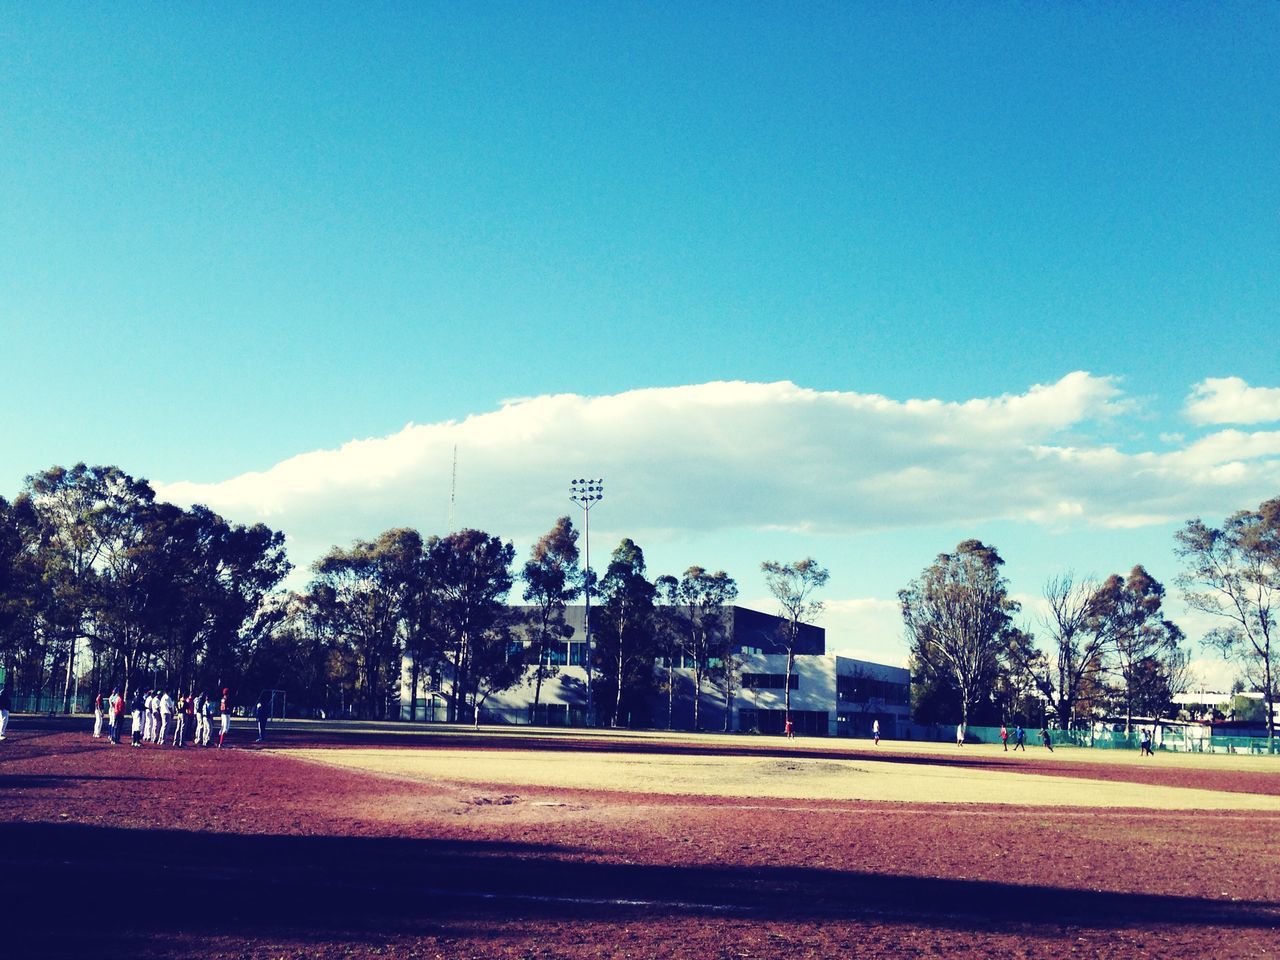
[830, 695]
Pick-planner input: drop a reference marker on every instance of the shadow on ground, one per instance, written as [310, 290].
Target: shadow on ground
[99, 886]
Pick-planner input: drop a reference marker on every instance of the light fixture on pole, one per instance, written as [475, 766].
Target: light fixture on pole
[586, 494]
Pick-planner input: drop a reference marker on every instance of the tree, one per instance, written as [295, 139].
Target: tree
[1146, 647]
[703, 597]
[1233, 573]
[552, 581]
[1074, 660]
[21, 590]
[81, 509]
[474, 576]
[668, 632]
[957, 613]
[793, 586]
[624, 639]
[370, 584]
[497, 661]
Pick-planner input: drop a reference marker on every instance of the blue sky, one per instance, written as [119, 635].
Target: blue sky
[235, 234]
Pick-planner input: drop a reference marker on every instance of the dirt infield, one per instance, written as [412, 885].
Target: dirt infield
[111, 852]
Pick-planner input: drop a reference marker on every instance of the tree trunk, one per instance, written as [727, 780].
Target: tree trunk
[671, 689]
[786, 683]
[415, 676]
[617, 696]
[66, 688]
[537, 679]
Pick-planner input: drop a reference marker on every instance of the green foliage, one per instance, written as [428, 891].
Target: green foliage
[1233, 574]
[624, 636]
[958, 615]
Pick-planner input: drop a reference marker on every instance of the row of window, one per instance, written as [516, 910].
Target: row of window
[867, 690]
[769, 681]
[813, 723]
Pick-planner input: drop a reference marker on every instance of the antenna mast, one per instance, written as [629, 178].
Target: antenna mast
[453, 487]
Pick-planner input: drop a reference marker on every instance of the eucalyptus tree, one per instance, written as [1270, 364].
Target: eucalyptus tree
[474, 577]
[1078, 646]
[703, 597]
[957, 615]
[624, 636]
[1233, 573]
[369, 585]
[1146, 647]
[21, 592]
[552, 581]
[793, 585]
[668, 634]
[422, 621]
[85, 512]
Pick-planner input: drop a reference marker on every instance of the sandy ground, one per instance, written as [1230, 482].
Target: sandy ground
[798, 777]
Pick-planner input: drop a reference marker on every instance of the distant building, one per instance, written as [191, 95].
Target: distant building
[830, 695]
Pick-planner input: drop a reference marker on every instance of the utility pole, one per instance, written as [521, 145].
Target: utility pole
[586, 494]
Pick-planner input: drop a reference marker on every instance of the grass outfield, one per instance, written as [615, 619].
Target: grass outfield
[840, 770]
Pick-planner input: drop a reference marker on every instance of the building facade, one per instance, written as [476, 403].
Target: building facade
[830, 695]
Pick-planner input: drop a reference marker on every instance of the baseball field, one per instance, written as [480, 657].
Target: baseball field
[359, 841]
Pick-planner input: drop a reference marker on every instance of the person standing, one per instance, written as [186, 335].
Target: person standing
[959, 734]
[1020, 738]
[1146, 743]
[166, 711]
[198, 713]
[116, 706]
[261, 713]
[1046, 739]
[180, 721]
[138, 710]
[97, 716]
[4, 712]
[1004, 737]
[224, 708]
[207, 721]
[875, 732]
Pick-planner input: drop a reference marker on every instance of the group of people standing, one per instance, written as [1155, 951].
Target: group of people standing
[159, 718]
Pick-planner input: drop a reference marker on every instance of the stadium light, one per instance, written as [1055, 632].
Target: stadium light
[586, 494]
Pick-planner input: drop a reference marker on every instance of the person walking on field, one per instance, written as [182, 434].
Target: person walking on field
[1004, 737]
[959, 734]
[875, 732]
[1019, 739]
[1046, 739]
[1146, 743]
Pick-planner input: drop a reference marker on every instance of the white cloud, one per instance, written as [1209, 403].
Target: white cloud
[754, 457]
[1232, 400]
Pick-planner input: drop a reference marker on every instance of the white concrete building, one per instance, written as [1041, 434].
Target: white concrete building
[830, 695]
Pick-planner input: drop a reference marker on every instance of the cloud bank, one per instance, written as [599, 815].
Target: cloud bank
[1232, 400]
[757, 456]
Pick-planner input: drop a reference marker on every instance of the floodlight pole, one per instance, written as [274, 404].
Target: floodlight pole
[586, 494]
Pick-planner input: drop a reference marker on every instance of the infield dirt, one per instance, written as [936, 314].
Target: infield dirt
[113, 852]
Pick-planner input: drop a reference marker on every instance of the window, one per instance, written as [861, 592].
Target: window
[866, 690]
[769, 681]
